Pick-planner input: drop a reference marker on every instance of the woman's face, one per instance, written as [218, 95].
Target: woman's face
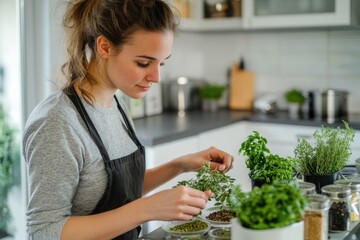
[137, 66]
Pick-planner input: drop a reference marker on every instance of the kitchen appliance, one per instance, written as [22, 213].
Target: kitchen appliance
[153, 101]
[266, 104]
[182, 94]
[329, 104]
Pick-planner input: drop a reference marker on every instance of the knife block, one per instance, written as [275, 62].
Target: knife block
[242, 89]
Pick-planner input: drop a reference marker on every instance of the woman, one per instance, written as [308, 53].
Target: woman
[85, 165]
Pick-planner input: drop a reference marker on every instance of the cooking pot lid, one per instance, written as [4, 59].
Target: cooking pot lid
[329, 91]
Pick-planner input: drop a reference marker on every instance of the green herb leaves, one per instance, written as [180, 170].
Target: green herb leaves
[214, 180]
[330, 152]
[262, 164]
[270, 206]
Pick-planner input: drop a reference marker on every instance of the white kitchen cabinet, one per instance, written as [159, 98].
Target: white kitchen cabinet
[275, 14]
[304, 13]
[282, 138]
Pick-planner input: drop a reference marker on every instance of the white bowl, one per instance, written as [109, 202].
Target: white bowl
[214, 233]
[169, 225]
[206, 212]
[357, 165]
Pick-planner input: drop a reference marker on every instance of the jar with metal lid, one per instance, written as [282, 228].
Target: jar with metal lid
[316, 217]
[354, 185]
[307, 188]
[339, 211]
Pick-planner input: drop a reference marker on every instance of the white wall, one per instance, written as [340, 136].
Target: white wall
[279, 59]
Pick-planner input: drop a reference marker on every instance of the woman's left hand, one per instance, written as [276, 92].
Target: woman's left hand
[218, 159]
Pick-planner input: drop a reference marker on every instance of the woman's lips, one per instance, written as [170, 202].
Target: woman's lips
[144, 88]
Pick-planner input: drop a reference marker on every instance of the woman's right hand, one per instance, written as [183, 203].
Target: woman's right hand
[180, 203]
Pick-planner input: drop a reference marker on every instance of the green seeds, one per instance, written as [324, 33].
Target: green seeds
[193, 226]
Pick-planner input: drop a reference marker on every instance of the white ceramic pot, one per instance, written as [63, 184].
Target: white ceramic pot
[296, 231]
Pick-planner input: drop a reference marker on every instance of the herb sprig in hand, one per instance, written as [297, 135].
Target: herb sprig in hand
[214, 180]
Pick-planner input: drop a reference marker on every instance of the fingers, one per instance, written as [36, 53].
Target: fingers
[182, 203]
[220, 160]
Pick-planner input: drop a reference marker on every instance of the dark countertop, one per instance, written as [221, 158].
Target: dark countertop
[168, 126]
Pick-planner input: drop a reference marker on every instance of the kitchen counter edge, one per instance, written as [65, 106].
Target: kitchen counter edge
[169, 126]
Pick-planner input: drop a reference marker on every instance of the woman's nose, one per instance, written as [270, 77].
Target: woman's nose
[154, 74]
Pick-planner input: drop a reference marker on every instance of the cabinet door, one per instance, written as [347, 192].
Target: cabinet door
[161, 154]
[282, 138]
[229, 139]
[304, 13]
[355, 148]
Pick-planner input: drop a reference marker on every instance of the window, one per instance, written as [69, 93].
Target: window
[12, 186]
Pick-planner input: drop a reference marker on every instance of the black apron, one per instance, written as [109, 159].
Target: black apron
[125, 175]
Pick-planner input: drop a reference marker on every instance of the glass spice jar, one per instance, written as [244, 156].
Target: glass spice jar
[339, 211]
[354, 185]
[307, 188]
[316, 217]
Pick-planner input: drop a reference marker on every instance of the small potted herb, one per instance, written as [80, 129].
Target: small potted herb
[321, 161]
[210, 95]
[295, 99]
[272, 212]
[264, 166]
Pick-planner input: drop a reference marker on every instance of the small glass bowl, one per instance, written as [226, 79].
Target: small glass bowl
[167, 228]
[220, 233]
[218, 224]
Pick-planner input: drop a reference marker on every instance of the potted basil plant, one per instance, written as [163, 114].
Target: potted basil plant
[264, 166]
[210, 95]
[272, 212]
[295, 99]
[320, 160]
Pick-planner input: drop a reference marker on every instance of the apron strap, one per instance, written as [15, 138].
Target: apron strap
[71, 93]
[128, 126]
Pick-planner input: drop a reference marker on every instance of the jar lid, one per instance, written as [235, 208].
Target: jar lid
[336, 191]
[354, 184]
[318, 201]
[307, 188]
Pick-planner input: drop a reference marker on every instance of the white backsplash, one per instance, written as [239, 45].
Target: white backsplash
[280, 59]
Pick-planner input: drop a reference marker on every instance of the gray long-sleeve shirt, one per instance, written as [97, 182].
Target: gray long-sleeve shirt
[66, 174]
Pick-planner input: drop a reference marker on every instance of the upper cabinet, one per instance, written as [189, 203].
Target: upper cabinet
[220, 15]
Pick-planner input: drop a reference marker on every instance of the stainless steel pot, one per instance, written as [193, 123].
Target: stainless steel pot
[182, 94]
[328, 104]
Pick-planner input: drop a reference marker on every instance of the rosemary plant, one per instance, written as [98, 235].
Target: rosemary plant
[329, 153]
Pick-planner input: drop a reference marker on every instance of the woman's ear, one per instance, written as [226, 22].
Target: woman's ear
[103, 46]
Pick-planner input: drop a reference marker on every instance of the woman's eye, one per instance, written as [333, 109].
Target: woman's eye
[143, 65]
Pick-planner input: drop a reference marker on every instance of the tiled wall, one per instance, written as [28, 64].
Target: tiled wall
[280, 60]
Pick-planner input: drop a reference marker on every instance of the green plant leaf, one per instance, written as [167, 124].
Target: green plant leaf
[214, 180]
[329, 153]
